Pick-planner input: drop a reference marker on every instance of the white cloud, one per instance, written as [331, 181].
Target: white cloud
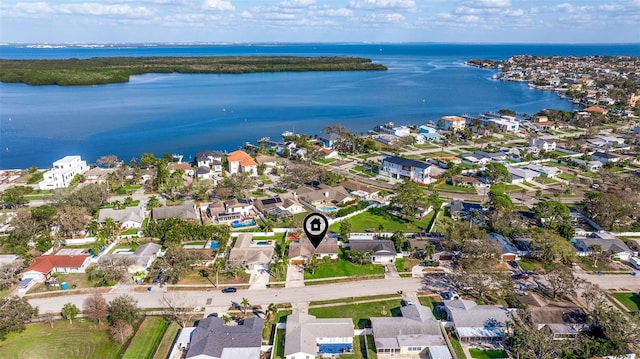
[341, 12]
[297, 3]
[33, 8]
[385, 18]
[488, 3]
[383, 4]
[219, 5]
[103, 10]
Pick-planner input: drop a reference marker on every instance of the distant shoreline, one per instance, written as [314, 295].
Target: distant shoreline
[106, 70]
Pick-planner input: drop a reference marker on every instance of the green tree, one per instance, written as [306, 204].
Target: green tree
[497, 172]
[399, 240]
[153, 202]
[123, 308]
[14, 197]
[345, 229]
[552, 214]
[245, 304]
[409, 198]
[147, 160]
[69, 312]
[14, 313]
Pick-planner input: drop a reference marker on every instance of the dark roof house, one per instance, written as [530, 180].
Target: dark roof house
[213, 339]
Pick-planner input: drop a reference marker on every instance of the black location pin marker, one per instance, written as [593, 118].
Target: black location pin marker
[315, 226]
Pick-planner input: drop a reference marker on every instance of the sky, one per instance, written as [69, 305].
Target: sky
[377, 21]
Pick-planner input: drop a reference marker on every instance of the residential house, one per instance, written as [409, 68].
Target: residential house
[608, 244]
[404, 168]
[519, 175]
[415, 334]
[544, 171]
[508, 251]
[302, 250]
[210, 159]
[605, 157]
[240, 162]
[596, 110]
[442, 252]
[240, 206]
[98, 175]
[542, 144]
[330, 140]
[467, 181]
[563, 320]
[309, 337]
[460, 209]
[129, 217]
[505, 124]
[247, 254]
[361, 191]
[270, 163]
[216, 213]
[335, 195]
[476, 323]
[452, 123]
[44, 266]
[63, 172]
[430, 134]
[204, 173]
[185, 210]
[589, 165]
[186, 167]
[445, 161]
[145, 255]
[382, 250]
[213, 339]
[326, 153]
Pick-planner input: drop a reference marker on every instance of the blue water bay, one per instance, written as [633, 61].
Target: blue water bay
[179, 113]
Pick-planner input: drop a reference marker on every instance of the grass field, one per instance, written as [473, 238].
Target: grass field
[343, 268]
[82, 339]
[405, 264]
[629, 300]
[355, 299]
[487, 354]
[279, 344]
[359, 313]
[457, 189]
[166, 341]
[376, 218]
[455, 343]
[147, 338]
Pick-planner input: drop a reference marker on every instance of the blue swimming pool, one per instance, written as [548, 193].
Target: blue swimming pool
[327, 208]
[245, 223]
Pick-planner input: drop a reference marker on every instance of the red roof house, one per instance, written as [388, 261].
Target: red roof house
[45, 265]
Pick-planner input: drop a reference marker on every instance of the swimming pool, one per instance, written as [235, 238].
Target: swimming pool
[327, 208]
[245, 223]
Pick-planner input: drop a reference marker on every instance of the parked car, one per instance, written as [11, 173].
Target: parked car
[521, 275]
[406, 302]
[513, 264]
[229, 290]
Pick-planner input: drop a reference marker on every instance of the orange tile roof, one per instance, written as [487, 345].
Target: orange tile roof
[242, 157]
[453, 118]
[595, 109]
[44, 264]
[176, 166]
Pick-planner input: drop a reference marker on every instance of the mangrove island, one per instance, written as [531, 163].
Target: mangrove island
[105, 70]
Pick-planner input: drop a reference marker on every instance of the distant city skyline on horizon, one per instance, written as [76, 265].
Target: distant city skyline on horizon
[320, 21]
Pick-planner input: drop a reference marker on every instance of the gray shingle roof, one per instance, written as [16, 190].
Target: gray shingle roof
[376, 245]
[121, 215]
[186, 210]
[406, 162]
[303, 331]
[416, 327]
[212, 337]
[466, 313]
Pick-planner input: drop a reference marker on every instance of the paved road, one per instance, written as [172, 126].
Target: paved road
[154, 299]
[613, 282]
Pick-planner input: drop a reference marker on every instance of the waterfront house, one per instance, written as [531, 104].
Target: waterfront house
[98, 175]
[415, 334]
[130, 217]
[404, 168]
[309, 337]
[213, 339]
[210, 159]
[63, 172]
[476, 323]
[452, 123]
[186, 167]
[330, 140]
[240, 162]
[382, 250]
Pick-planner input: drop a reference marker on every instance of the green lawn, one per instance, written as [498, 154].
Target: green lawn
[375, 218]
[487, 354]
[566, 176]
[359, 313]
[505, 187]
[630, 300]
[455, 343]
[445, 187]
[279, 344]
[326, 161]
[545, 180]
[82, 339]
[343, 268]
[131, 231]
[431, 303]
[405, 264]
[167, 341]
[147, 338]
[359, 349]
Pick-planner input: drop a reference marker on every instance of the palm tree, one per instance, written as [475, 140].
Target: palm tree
[227, 319]
[271, 310]
[245, 303]
[596, 251]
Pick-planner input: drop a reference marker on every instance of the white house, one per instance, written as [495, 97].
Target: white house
[43, 266]
[240, 206]
[130, 217]
[519, 175]
[63, 172]
[545, 171]
[542, 144]
[452, 123]
[404, 168]
[382, 250]
[310, 337]
[608, 244]
[210, 159]
[241, 162]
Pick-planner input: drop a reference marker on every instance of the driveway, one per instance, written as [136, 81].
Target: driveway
[295, 276]
[258, 280]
